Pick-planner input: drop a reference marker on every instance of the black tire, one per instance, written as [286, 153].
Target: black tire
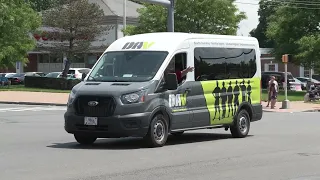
[241, 125]
[85, 140]
[158, 132]
[177, 133]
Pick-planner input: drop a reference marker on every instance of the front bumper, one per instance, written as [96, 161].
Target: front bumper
[134, 125]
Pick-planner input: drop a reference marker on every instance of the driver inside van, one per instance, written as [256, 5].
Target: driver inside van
[182, 73]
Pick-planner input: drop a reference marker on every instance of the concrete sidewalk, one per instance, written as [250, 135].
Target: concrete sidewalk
[294, 106]
[61, 99]
[34, 98]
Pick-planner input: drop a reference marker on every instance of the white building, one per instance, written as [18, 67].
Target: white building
[40, 59]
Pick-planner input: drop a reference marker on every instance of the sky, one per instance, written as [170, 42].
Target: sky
[251, 10]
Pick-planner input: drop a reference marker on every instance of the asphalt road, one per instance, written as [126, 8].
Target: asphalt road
[34, 146]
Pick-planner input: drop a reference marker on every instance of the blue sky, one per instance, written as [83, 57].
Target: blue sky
[251, 11]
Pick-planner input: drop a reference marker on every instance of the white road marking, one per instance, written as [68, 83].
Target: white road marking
[39, 108]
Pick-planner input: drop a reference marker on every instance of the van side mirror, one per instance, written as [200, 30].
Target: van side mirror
[171, 82]
[84, 75]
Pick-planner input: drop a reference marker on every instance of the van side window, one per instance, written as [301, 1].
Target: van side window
[178, 63]
[213, 63]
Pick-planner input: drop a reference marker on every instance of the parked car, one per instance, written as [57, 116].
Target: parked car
[297, 85]
[16, 78]
[280, 77]
[77, 72]
[4, 81]
[305, 80]
[39, 74]
[316, 77]
[53, 74]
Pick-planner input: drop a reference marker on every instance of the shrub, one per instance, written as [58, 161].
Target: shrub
[50, 83]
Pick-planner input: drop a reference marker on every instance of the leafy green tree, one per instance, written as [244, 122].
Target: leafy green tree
[266, 9]
[201, 16]
[287, 27]
[40, 5]
[309, 51]
[17, 21]
[78, 23]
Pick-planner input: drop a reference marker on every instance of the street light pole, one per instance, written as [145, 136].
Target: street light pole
[124, 14]
[171, 16]
[170, 5]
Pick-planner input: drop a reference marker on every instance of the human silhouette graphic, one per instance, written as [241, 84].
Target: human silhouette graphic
[223, 95]
[216, 94]
[243, 91]
[236, 93]
[249, 91]
[230, 97]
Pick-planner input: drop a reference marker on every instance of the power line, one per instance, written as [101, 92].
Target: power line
[286, 4]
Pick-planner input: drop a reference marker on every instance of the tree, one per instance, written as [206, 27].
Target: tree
[289, 25]
[77, 24]
[266, 9]
[17, 21]
[201, 16]
[40, 5]
[309, 51]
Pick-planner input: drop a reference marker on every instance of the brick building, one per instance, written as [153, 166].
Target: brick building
[269, 63]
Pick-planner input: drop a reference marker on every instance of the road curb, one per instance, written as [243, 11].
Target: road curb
[310, 110]
[33, 103]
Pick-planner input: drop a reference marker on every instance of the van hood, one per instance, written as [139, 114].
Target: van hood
[111, 88]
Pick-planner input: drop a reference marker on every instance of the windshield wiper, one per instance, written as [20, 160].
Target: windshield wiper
[117, 81]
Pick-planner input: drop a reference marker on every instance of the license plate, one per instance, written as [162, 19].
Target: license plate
[91, 121]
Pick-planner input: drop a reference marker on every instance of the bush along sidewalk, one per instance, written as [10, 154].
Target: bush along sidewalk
[50, 83]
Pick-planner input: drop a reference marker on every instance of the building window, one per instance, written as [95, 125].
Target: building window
[224, 63]
[43, 58]
[56, 58]
[272, 67]
[306, 72]
[79, 58]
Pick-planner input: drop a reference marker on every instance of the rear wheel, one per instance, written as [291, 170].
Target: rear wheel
[241, 125]
[158, 131]
[85, 140]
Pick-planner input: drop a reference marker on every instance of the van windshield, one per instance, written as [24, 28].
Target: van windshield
[127, 66]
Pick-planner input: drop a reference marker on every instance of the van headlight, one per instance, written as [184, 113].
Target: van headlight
[72, 96]
[135, 97]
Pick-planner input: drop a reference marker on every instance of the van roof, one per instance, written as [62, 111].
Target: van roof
[168, 40]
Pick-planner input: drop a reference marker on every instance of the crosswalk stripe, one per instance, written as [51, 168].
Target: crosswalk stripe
[20, 109]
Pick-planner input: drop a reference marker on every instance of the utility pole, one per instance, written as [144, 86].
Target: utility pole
[285, 59]
[169, 4]
[124, 14]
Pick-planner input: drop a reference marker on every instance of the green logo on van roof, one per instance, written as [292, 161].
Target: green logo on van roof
[137, 45]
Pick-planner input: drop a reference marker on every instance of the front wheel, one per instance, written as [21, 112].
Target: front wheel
[158, 131]
[241, 125]
[85, 140]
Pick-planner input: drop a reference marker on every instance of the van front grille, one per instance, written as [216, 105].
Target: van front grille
[95, 106]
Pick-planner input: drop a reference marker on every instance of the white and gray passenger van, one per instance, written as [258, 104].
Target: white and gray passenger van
[136, 89]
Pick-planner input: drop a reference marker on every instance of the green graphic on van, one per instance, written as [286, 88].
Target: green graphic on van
[177, 100]
[223, 97]
[137, 45]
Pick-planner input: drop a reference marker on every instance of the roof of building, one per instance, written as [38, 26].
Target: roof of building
[115, 7]
[265, 50]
